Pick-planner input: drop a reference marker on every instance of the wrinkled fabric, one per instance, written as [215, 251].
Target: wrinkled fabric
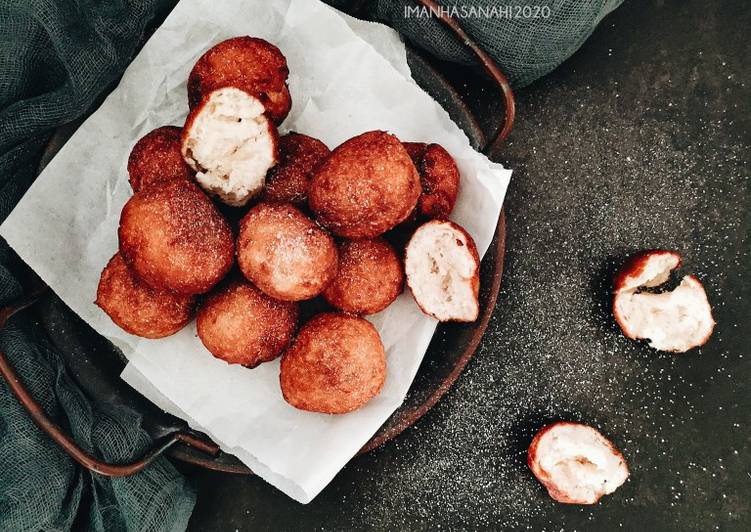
[57, 59]
[528, 39]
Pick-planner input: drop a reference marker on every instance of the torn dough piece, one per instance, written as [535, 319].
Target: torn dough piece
[230, 144]
[676, 320]
[576, 463]
[443, 271]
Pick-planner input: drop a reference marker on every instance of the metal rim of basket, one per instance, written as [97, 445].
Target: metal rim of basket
[90, 462]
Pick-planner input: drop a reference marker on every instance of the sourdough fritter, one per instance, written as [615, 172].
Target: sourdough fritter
[370, 277]
[299, 157]
[335, 365]
[285, 253]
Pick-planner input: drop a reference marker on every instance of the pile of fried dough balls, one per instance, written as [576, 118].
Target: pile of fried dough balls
[250, 232]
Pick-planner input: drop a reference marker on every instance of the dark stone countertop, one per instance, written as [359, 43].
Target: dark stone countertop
[641, 140]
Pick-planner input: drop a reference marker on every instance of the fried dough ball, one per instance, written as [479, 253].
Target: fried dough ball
[173, 238]
[231, 144]
[369, 279]
[284, 253]
[335, 365]
[248, 63]
[366, 186]
[289, 180]
[439, 177]
[156, 157]
[137, 308]
[241, 325]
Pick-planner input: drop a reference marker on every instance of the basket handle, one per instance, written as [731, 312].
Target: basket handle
[489, 66]
[68, 444]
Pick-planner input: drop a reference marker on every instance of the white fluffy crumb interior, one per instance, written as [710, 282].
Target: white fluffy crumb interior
[440, 269]
[230, 146]
[671, 321]
[656, 271]
[580, 462]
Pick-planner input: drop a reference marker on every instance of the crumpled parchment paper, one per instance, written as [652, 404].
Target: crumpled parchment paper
[347, 77]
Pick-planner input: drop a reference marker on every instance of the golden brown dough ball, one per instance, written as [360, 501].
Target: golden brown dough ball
[439, 177]
[156, 157]
[365, 187]
[335, 365]
[284, 253]
[174, 238]
[137, 308]
[247, 63]
[241, 325]
[369, 279]
[289, 180]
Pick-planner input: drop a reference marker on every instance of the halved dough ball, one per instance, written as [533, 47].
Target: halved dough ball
[367, 186]
[248, 63]
[443, 271]
[156, 157]
[173, 238]
[299, 157]
[241, 325]
[439, 177]
[576, 463]
[369, 279]
[284, 253]
[646, 269]
[335, 365]
[138, 308]
[677, 320]
[230, 144]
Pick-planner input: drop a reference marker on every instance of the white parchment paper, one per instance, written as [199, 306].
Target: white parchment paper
[347, 77]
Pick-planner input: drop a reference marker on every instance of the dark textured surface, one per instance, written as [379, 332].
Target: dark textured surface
[640, 140]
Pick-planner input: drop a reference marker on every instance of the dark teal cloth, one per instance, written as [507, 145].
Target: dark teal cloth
[527, 38]
[57, 59]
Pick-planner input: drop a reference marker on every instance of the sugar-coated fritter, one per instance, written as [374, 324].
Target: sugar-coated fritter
[439, 177]
[174, 238]
[365, 187]
[138, 308]
[285, 253]
[156, 157]
[289, 180]
[369, 279]
[248, 63]
[335, 365]
[241, 325]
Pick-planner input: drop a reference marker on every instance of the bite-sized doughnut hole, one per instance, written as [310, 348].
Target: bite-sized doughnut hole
[247, 63]
[289, 181]
[365, 187]
[173, 238]
[335, 365]
[241, 325]
[369, 279]
[138, 308]
[285, 253]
